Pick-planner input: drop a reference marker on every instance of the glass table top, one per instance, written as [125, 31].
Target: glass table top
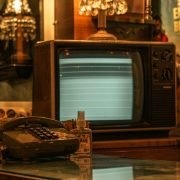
[96, 168]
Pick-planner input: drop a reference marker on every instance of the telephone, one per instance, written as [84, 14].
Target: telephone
[34, 137]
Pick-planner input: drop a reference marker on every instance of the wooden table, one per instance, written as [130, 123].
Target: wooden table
[160, 148]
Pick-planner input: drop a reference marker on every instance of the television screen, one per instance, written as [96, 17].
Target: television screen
[102, 87]
[105, 85]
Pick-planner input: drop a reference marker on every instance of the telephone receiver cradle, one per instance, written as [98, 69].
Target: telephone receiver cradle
[37, 137]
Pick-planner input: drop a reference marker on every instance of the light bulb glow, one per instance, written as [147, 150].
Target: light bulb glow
[17, 5]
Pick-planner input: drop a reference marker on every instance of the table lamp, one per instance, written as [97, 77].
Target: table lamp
[102, 8]
[18, 26]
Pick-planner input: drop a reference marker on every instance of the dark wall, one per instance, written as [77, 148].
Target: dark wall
[156, 7]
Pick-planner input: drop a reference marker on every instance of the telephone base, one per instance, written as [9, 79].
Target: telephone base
[6, 158]
[29, 138]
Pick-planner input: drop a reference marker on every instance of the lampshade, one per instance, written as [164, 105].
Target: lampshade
[102, 8]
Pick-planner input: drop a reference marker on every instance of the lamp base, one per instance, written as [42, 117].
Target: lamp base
[102, 35]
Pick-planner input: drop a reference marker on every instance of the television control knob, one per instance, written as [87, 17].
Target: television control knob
[166, 55]
[156, 54]
[166, 74]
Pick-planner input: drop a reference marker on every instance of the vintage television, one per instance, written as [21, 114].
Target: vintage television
[125, 87]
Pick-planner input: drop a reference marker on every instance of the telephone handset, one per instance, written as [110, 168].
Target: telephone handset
[34, 137]
[14, 123]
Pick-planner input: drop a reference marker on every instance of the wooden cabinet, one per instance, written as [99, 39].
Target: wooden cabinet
[58, 19]
[64, 19]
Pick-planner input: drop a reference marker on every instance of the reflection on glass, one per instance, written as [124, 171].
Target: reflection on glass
[116, 173]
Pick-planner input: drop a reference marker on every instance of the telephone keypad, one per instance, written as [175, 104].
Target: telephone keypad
[43, 133]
